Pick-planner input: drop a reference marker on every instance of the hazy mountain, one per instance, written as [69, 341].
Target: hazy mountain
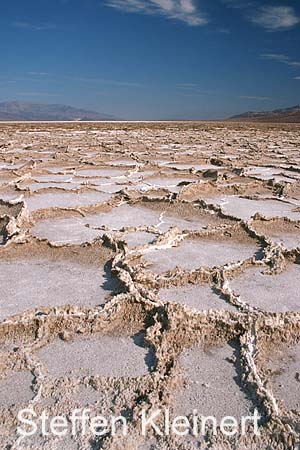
[36, 111]
[288, 115]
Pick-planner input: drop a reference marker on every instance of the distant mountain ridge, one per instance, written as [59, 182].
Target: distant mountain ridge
[287, 115]
[26, 111]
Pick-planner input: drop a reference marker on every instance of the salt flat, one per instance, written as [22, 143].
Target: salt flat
[150, 265]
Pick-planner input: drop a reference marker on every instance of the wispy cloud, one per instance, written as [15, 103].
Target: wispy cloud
[187, 85]
[38, 73]
[284, 59]
[5, 82]
[253, 97]
[296, 78]
[103, 81]
[193, 89]
[222, 30]
[240, 4]
[182, 10]
[59, 78]
[275, 18]
[269, 17]
[34, 26]
[37, 94]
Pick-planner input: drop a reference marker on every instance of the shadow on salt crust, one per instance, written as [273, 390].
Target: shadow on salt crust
[284, 364]
[276, 293]
[213, 378]
[15, 389]
[106, 356]
[40, 283]
[196, 296]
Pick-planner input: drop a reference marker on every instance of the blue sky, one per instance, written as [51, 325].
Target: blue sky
[152, 59]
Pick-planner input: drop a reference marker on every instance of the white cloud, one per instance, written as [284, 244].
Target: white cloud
[38, 73]
[253, 97]
[33, 26]
[37, 94]
[275, 57]
[284, 59]
[181, 10]
[275, 18]
[187, 85]
[103, 81]
[297, 78]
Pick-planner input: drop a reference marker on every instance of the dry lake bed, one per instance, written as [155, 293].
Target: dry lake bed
[149, 266]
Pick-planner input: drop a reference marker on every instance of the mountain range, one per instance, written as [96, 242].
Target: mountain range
[287, 115]
[26, 111]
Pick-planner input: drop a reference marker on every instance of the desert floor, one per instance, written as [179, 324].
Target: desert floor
[150, 265]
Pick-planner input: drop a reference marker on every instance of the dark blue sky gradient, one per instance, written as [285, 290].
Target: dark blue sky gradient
[148, 65]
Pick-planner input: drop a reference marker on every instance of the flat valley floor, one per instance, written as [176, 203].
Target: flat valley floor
[147, 266]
